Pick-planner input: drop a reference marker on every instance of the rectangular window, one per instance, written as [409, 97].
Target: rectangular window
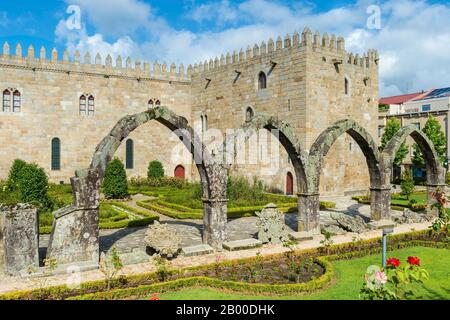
[91, 107]
[417, 125]
[380, 132]
[82, 107]
[6, 103]
[16, 103]
[426, 107]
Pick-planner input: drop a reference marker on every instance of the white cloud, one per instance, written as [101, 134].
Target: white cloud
[413, 42]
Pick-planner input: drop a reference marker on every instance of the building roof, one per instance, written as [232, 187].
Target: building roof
[437, 93]
[400, 99]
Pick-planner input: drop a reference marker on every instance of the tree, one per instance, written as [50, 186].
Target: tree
[433, 131]
[115, 185]
[33, 185]
[407, 185]
[392, 127]
[155, 170]
[15, 174]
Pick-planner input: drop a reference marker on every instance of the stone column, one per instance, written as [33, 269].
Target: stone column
[380, 203]
[19, 239]
[308, 213]
[431, 189]
[215, 222]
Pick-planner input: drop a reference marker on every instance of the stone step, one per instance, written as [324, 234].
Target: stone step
[382, 224]
[199, 250]
[242, 244]
[301, 236]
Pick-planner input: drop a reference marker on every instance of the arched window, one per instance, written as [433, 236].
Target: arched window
[249, 114]
[6, 101]
[129, 154]
[151, 104]
[158, 103]
[262, 81]
[83, 105]
[91, 106]
[56, 154]
[16, 101]
[180, 172]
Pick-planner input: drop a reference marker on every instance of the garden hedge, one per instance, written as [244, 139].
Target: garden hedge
[145, 284]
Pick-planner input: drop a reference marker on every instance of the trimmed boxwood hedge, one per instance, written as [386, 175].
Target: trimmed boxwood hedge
[141, 285]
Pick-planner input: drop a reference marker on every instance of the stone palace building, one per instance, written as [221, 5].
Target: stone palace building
[56, 109]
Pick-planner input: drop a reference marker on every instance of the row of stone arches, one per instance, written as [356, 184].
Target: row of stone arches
[81, 242]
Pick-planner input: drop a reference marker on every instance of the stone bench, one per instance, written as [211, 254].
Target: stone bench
[199, 250]
[242, 244]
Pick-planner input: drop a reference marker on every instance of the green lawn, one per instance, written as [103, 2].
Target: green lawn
[399, 200]
[349, 279]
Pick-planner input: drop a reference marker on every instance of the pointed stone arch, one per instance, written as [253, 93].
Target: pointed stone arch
[75, 234]
[284, 132]
[368, 146]
[435, 170]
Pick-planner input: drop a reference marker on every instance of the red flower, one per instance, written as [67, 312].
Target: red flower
[393, 262]
[414, 261]
[154, 297]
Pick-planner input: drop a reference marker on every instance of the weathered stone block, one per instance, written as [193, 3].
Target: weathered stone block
[242, 244]
[272, 228]
[301, 236]
[75, 236]
[162, 239]
[199, 250]
[19, 238]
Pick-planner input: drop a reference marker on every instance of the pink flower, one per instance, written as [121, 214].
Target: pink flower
[154, 297]
[381, 277]
[218, 259]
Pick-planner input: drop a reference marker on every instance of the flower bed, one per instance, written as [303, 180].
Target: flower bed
[142, 285]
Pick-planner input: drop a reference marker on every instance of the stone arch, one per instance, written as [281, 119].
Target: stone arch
[435, 171]
[360, 135]
[75, 236]
[285, 134]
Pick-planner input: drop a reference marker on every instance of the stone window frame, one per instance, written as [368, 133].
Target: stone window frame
[249, 116]
[153, 103]
[86, 105]
[55, 156]
[262, 80]
[12, 104]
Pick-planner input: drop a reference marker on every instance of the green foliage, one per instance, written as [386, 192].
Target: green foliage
[115, 184]
[407, 185]
[155, 170]
[239, 188]
[139, 184]
[433, 131]
[447, 178]
[110, 266]
[15, 174]
[392, 127]
[33, 186]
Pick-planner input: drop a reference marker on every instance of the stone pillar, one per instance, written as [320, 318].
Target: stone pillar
[215, 222]
[19, 238]
[431, 189]
[308, 213]
[75, 234]
[380, 203]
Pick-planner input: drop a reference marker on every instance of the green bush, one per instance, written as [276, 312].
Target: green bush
[155, 170]
[141, 183]
[239, 188]
[15, 174]
[115, 184]
[407, 184]
[33, 186]
[447, 178]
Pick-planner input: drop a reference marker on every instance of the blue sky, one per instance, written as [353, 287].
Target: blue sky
[413, 38]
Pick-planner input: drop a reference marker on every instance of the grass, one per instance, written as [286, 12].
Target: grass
[400, 200]
[349, 279]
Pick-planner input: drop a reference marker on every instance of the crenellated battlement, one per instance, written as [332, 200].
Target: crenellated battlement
[316, 43]
[92, 66]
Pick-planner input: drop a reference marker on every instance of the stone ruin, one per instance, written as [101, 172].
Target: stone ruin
[272, 228]
[19, 239]
[163, 240]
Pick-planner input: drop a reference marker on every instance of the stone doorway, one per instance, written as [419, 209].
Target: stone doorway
[180, 172]
[289, 184]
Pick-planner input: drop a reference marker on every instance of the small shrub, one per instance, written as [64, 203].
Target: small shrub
[15, 174]
[447, 178]
[155, 170]
[115, 184]
[33, 186]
